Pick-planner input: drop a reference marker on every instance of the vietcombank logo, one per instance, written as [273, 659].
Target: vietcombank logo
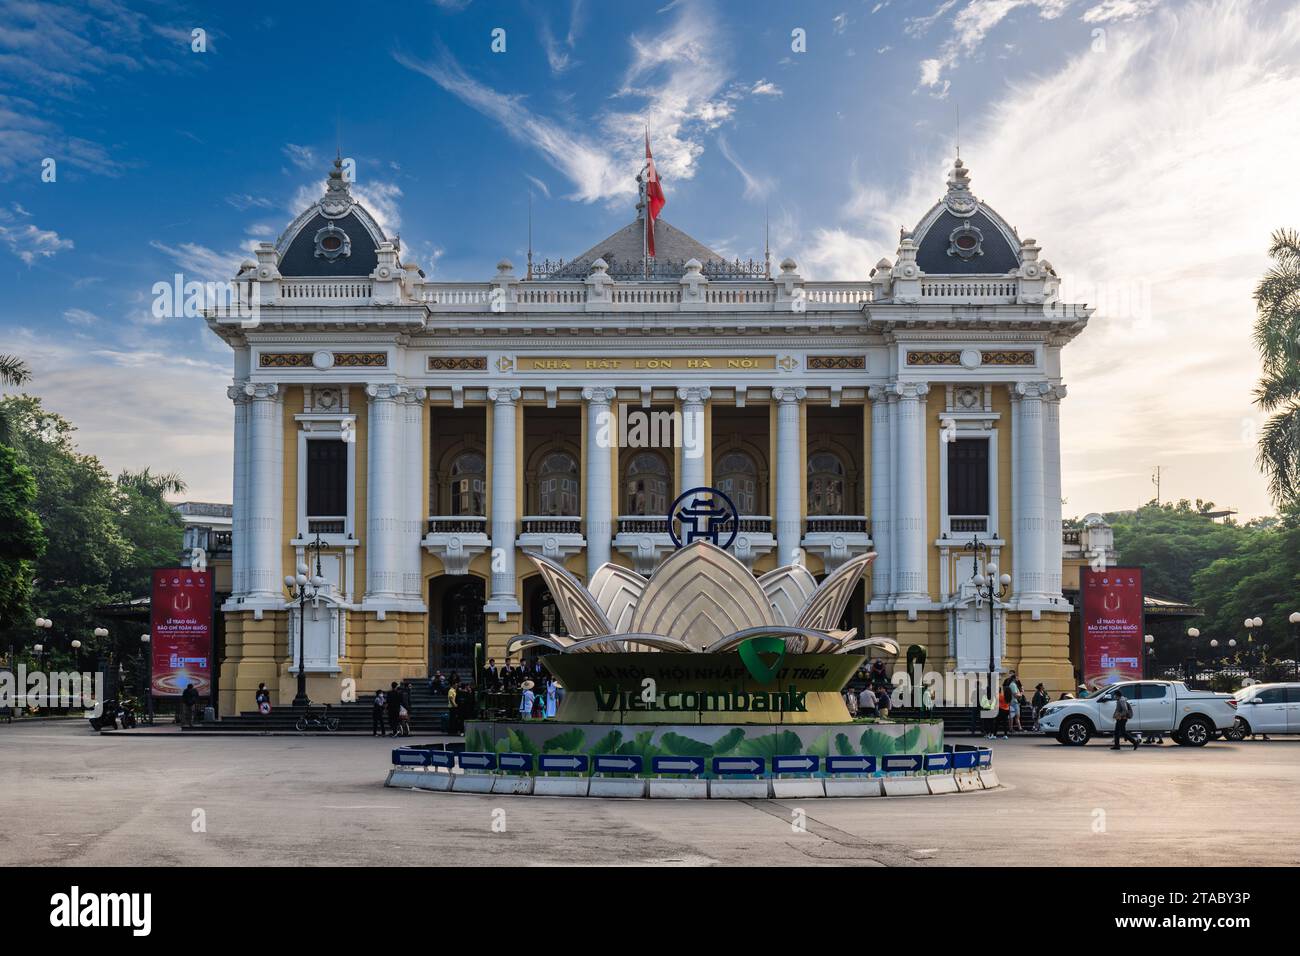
[749, 651]
[752, 653]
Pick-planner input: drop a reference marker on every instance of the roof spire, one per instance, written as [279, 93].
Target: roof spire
[767, 243]
[959, 199]
[528, 274]
[337, 200]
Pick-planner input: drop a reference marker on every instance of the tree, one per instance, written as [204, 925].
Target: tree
[22, 540]
[1277, 336]
[13, 370]
[1172, 542]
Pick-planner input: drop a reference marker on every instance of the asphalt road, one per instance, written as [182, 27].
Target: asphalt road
[68, 796]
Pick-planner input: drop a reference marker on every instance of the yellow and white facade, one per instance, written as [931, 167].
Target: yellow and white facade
[427, 433]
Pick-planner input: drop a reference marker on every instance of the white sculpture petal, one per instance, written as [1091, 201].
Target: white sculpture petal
[608, 642]
[788, 590]
[825, 608]
[701, 594]
[884, 643]
[796, 639]
[618, 591]
[582, 615]
[555, 642]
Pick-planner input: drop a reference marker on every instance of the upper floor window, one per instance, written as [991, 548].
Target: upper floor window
[646, 485]
[468, 482]
[557, 485]
[736, 476]
[826, 484]
[968, 477]
[327, 478]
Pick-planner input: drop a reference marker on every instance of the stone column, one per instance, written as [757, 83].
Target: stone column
[788, 474]
[694, 444]
[909, 518]
[384, 505]
[1017, 556]
[239, 495]
[413, 511]
[881, 518]
[1029, 510]
[501, 597]
[1052, 490]
[263, 583]
[596, 492]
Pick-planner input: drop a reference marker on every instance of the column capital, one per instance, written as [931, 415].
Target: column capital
[910, 390]
[237, 394]
[504, 395]
[694, 394]
[1033, 390]
[261, 390]
[1056, 392]
[599, 394]
[392, 392]
[789, 394]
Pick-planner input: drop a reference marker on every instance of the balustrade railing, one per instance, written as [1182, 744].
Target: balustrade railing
[457, 524]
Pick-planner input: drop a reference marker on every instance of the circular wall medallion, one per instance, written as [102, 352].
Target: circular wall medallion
[323, 359]
[970, 358]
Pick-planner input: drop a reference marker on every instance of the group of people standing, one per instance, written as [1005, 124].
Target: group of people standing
[538, 703]
[395, 704]
[1014, 708]
[512, 677]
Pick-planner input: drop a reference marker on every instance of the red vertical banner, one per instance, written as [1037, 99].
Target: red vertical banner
[1111, 625]
[181, 631]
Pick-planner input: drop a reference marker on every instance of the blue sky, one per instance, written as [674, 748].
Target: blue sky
[1144, 143]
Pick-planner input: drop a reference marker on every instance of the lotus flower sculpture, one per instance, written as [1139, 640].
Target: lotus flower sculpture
[703, 600]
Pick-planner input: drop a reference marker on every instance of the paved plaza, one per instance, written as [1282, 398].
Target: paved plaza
[71, 797]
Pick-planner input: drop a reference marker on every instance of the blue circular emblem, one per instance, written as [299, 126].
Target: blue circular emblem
[703, 513]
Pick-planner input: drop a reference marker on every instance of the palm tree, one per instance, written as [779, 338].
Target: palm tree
[13, 370]
[1277, 336]
[149, 485]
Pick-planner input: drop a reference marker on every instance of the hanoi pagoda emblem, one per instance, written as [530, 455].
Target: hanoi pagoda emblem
[703, 514]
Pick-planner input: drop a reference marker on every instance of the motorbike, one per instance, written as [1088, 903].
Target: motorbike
[112, 714]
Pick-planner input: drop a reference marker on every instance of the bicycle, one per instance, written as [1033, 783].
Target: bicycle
[313, 721]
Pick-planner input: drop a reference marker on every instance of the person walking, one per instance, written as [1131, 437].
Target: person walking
[393, 702]
[526, 701]
[189, 700]
[377, 727]
[867, 702]
[1123, 713]
[851, 701]
[552, 699]
[1001, 724]
[1040, 700]
[453, 711]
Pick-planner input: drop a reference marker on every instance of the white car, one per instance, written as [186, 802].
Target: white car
[1267, 709]
[1191, 717]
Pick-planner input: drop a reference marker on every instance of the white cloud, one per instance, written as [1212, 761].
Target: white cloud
[81, 317]
[1155, 187]
[304, 157]
[28, 241]
[541, 186]
[201, 264]
[765, 87]
[970, 25]
[756, 187]
[1110, 10]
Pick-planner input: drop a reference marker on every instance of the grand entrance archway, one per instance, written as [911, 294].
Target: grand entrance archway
[455, 623]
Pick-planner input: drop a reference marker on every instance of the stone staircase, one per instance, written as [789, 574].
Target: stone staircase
[428, 715]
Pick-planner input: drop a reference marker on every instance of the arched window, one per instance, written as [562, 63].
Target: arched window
[646, 485]
[557, 485]
[467, 484]
[825, 484]
[736, 476]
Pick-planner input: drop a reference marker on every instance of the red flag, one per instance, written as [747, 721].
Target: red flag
[654, 194]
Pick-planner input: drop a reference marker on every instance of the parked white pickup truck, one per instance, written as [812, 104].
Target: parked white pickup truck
[1191, 717]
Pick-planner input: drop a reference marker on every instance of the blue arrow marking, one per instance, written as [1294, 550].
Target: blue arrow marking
[965, 760]
[743, 765]
[986, 758]
[902, 762]
[519, 762]
[405, 757]
[477, 761]
[685, 765]
[618, 764]
[801, 764]
[573, 763]
[850, 764]
[441, 758]
[938, 761]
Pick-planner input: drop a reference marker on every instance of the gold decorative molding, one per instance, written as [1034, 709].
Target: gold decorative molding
[457, 363]
[1008, 357]
[835, 363]
[934, 358]
[361, 359]
[284, 360]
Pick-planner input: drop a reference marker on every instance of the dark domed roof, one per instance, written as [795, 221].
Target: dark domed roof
[335, 236]
[624, 253]
[961, 235]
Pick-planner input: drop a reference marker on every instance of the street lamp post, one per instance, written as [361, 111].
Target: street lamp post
[990, 586]
[1149, 640]
[303, 589]
[1194, 634]
[1294, 620]
[147, 674]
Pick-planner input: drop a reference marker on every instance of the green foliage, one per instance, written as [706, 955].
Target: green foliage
[843, 746]
[876, 744]
[568, 742]
[679, 746]
[1277, 336]
[1171, 542]
[104, 536]
[771, 744]
[728, 742]
[22, 540]
[608, 744]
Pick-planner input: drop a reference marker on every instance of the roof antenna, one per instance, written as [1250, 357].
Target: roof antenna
[529, 273]
[767, 242]
[957, 106]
